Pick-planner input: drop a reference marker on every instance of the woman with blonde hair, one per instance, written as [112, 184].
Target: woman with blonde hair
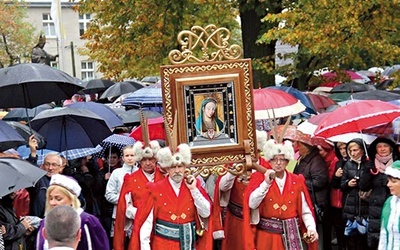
[64, 190]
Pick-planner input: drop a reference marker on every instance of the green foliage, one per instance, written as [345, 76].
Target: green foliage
[338, 34]
[133, 38]
[15, 34]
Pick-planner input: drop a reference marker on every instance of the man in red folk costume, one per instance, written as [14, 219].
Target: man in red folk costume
[134, 188]
[175, 213]
[277, 204]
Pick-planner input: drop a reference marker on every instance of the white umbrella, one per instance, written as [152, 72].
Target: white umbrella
[350, 136]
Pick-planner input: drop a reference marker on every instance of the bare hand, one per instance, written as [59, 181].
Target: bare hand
[352, 183]
[339, 172]
[107, 176]
[26, 223]
[269, 176]
[312, 236]
[3, 229]
[191, 182]
[33, 143]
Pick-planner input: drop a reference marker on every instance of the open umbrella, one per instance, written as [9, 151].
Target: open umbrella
[381, 95]
[80, 152]
[32, 84]
[320, 102]
[145, 97]
[24, 131]
[20, 114]
[114, 140]
[17, 174]
[121, 88]
[299, 95]
[9, 138]
[270, 102]
[353, 76]
[356, 117]
[96, 85]
[132, 117]
[68, 128]
[351, 87]
[108, 114]
[156, 130]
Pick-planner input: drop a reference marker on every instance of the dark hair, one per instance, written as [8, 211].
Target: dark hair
[114, 150]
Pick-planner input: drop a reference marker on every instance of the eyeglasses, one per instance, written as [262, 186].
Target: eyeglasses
[278, 160]
[54, 165]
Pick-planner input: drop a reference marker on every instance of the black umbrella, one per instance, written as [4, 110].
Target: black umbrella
[96, 85]
[352, 87]
[121, 88]
[20, 114]
[28, 85]
[9, 138]
[26, 132]
[381, 95]
[68, 128]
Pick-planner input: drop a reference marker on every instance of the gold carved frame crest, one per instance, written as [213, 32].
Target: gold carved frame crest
[214, 72]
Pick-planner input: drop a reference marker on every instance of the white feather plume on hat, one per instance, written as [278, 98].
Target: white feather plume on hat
[182, 155]
[272, 148]
[140, 151]
[261, 137]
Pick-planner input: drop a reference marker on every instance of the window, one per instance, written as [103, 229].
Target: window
[54, 65]
[48, 26]
[84, 22]
[87, 70]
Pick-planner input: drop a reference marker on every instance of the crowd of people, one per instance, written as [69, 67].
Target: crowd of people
[337, 194]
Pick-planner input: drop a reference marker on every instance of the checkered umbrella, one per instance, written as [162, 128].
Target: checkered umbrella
[72, 154]
[119, 141]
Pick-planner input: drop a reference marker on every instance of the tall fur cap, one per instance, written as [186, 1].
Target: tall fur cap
[182, 155]
[140, 151]
[272, 148]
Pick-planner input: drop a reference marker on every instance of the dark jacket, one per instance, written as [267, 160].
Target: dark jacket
[353, 206]
[15, 231]
[313, 168]
[380, 192]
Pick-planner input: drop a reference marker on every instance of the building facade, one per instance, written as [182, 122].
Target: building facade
[72, 27]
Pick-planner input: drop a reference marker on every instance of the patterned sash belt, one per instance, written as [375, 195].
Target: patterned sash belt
[235, 209]
[184, 233]
[274, 226]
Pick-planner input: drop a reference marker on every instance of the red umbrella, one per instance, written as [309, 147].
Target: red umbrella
[356, 117]
[156, 130]
[320, 101]
[270, 102]
[353, 75]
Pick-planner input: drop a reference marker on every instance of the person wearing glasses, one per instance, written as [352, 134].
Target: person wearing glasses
[277, 205]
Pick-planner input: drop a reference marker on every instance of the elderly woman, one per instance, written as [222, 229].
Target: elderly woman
[65, 190]
[354, 207]
[390, 226]
[276, 202]
[382, 154]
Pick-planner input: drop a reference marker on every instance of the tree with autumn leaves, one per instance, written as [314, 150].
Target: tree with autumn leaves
[133, 38]
[16, 35]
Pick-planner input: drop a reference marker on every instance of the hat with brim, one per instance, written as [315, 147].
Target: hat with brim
[66, 182]
[304, 138]
[393, 170]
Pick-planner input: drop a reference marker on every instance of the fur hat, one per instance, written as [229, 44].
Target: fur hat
[261, 139]
[393, 170]
[66, 182]
[168, 159]
[272, 148]
[141, 151]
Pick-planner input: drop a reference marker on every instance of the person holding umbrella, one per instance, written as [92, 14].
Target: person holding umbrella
[64, 190]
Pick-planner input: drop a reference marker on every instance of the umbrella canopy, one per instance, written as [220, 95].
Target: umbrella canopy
[23, 114]
[9, 138]
[389, 71]
[68, 128]
[76, 153]
[114, 140]
[145, 97]
[156, 130]
[351, 87]
[32, 84]
[105, 112]
[381, 95]
[320, 102]
[17, 174]
[338, 97]
[132, 117]
[269, 102]
[299, 95]
[121, 88]
[96, 85]
[356, 117]
[26, 132]
[350, 75]
[350, 136]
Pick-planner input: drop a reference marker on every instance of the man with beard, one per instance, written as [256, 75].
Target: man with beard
[134, 188]
[174, 209]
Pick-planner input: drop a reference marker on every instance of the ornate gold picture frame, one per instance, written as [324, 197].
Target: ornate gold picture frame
[213, 105]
